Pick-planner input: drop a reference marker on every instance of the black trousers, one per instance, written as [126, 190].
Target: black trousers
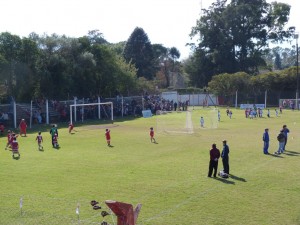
[213, 165]
[226, 165]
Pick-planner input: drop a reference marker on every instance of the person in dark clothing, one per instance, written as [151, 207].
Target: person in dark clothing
[175, 106]
[266, 140]
[53, 132]
[225, 157]
[285, 131]
[213, 163]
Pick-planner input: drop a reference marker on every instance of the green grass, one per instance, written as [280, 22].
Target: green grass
[168, 178]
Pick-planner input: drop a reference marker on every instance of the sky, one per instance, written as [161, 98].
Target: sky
[166, 22]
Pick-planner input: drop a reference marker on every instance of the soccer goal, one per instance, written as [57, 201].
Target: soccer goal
[101, 110]
[289, 103]
[174, 122]
[213, 116]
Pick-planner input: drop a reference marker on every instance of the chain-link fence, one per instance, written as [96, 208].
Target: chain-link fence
[270, 98]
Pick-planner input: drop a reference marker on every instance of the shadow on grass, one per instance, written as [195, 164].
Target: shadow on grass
[223, 180]
[16, 157]
[291, 153]
[237, 178]
[275, 155]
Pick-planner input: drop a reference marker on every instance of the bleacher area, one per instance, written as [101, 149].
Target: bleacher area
[59, 111]
[23, 111]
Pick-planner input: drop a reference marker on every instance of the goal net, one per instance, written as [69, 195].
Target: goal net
[174, 122]
[213, 118]
[80, 112]
[289, 103]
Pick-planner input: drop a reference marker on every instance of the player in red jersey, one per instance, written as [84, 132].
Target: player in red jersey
[23, 127]
[152, 139]
[54, 141]
[9, 139]
[71, 127]
[107, 136]
[15, 147]
[39, 139]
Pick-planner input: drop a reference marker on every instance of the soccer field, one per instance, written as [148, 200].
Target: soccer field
[169, 178]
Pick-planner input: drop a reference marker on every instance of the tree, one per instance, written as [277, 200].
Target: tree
[281, 58]
[200, 69]
[96, 37]
[234, 36]
[165, 62]
[10, 49]
[277, 62]
[138, 51]
[226, 84]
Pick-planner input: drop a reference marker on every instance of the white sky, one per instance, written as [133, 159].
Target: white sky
[166, 22]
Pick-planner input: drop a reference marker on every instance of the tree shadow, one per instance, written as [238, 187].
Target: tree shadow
[237, 178]
[224, 180]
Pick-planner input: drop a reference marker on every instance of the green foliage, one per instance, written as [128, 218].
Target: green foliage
[234, 36]
[138, 51]
[281, 58]
[166, 63]
[227, 84]
[199, 67]
[174, 53]
[58, 66]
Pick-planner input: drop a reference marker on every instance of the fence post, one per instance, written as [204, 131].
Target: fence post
[122, 106]
[266, 92]
[30, 119]
[112, 111]
[75, 113]
[15, 113]
[236, 98]
[99, 108]
[47, 112]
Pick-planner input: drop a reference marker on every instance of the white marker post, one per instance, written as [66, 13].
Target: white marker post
[77, 212]
[21, 205]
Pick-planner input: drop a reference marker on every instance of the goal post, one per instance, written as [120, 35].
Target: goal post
[289, 103]
[174, 122]
[73, 110]
[213, 116]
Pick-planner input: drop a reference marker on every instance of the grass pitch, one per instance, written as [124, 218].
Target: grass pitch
[169, 178]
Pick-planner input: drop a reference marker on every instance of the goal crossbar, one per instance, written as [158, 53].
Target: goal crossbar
[89, 104]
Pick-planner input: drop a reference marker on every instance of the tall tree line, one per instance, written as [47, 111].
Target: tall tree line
[234, 36]
[60, 67]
